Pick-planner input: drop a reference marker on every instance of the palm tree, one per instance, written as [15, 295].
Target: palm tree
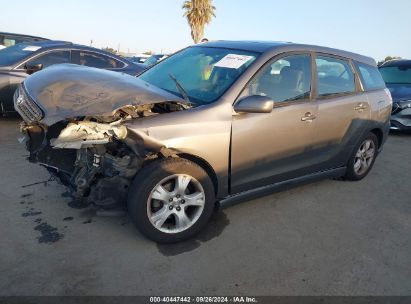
[199, 13]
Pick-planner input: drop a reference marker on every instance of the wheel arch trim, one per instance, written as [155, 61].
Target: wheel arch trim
[203, 164]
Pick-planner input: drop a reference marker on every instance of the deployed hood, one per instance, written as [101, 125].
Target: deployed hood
[67, 90]
[400, 92]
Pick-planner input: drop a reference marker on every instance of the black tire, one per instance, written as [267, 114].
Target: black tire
[351, 173]
[147, 179]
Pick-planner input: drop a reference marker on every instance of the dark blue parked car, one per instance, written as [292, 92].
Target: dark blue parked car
[23, 59]
[397, 76]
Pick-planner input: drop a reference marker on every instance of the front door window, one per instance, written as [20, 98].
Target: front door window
[283, 80]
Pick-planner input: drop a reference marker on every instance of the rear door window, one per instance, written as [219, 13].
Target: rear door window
[100, 61]
[370, 77]
[334, 76]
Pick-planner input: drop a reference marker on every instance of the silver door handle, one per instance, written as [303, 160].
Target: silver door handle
[308, 117]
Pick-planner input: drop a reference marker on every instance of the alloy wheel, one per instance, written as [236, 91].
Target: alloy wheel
[175, 203]
[364, 157]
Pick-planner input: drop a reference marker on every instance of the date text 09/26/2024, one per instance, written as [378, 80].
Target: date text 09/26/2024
[234, 299]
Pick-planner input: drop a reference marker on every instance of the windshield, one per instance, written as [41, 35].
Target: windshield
[396, 74]
[16, 53]
[152, 60]
[204, 73]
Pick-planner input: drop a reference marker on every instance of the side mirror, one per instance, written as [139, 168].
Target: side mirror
[254, 104]
[32, 68]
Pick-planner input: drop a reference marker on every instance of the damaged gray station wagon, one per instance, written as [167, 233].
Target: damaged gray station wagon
[212, 122]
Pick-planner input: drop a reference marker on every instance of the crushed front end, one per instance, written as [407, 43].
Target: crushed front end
[95, 156]
[98, 171]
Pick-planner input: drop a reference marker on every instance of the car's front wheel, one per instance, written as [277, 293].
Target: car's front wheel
[171, 200]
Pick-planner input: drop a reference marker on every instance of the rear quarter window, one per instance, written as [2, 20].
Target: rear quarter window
[370, 77]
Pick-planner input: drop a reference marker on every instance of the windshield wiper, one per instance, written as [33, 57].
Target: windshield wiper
[180, 88]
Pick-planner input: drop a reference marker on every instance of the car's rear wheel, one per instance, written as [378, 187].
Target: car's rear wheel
[171, 200]
[363, 158]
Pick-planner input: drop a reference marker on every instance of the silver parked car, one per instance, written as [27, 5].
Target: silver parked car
[211, 122]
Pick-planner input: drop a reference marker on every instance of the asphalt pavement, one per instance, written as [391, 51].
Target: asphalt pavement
[326, 238]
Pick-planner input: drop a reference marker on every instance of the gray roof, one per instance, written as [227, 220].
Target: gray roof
[277, 46]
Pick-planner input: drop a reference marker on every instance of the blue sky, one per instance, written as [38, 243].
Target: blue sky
[371, 27]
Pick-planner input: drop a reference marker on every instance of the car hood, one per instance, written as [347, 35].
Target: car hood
[5, 69]
[400, 92]
[66, 90]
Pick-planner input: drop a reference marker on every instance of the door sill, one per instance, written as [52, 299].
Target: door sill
[280, 186]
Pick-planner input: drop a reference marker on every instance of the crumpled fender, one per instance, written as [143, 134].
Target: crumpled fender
[140, 140]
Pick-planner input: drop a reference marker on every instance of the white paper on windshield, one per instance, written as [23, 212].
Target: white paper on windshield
[31, 48]
[233, 61]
